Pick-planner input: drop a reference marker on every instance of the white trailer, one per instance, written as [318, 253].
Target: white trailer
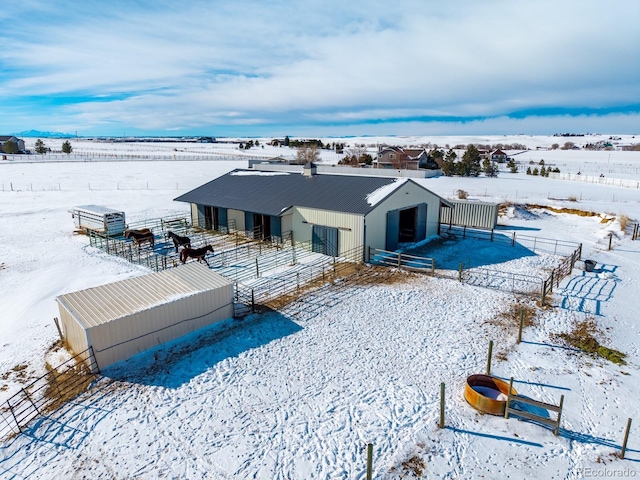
[98, 219]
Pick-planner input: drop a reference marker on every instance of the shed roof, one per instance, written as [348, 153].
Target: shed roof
[272, 193]
[105, 303]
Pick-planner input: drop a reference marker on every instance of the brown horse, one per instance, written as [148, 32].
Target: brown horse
[197, 253]
[179, 241]
[140, 236]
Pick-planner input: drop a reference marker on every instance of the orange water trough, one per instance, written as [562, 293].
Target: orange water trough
[487, 394]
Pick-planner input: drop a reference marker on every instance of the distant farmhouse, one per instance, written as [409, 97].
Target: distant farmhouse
[334, 213]
[10, 138]
[401, 158]
[498, 156]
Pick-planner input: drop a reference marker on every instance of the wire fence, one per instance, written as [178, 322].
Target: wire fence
[59, 385]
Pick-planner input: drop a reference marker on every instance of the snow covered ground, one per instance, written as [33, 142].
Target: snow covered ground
[299, 393]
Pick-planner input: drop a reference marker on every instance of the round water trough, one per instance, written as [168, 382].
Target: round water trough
[487, 394]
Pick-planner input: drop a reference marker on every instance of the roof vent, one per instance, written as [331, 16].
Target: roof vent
[309, 169]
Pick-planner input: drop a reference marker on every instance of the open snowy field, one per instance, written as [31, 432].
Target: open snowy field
[299, 393]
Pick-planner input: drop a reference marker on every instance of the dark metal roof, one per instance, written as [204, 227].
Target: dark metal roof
[271, 193]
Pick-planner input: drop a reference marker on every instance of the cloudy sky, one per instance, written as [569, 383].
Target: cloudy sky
[319, 68]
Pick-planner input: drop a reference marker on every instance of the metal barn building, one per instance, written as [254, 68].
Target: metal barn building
[124, 318]
[333, 213]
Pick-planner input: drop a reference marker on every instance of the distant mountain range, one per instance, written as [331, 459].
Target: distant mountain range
[38, 133]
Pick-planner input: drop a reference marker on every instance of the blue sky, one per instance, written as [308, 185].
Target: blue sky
[319, 68]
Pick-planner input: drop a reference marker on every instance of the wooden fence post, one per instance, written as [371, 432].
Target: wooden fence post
[610, 239]
[557, 430]
[626, 437]
[551, 286]
[369, 461]
[521, 325]
[513, 239]
[55, 320]
[460, 272]
[253, 305]
[506, 408]
[489, 357]
[441, 423]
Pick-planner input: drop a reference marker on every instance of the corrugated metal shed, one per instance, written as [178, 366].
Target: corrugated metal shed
[471, 214]
[123, 318]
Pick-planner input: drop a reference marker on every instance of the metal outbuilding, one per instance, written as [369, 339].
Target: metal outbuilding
[473, 214]
[123, 318]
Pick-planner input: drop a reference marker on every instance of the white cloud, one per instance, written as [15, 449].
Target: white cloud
[279, 63]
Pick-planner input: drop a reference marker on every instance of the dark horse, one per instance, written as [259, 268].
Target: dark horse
[197, 253]
[140, 236]
[179, 241]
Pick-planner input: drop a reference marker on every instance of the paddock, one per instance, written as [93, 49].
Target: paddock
[121, 319]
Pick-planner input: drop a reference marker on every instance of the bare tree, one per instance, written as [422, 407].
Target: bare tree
[357, 152]
[307, 154]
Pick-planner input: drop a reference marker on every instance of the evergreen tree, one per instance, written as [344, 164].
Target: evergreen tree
[10, 147]
[286, 141]
[528, 170]
[449, 163]
[470, 164]
[543, 171]
[489, 168]
[40, 147]
[66, 147]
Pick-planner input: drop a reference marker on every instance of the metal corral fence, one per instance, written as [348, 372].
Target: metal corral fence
[401, 260]
[45, 394]
[535, 244]
[277, 289]
[569, 253]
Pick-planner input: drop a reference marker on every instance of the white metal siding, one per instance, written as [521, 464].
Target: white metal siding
[287, 222]
[350, 226]
[74, 334]
[194, 216]
[238, 217]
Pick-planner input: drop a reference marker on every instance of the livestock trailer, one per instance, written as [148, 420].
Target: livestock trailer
[98, 219]
[121, 319]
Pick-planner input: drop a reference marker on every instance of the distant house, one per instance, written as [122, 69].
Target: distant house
[334, 214]
[206, 140]
[401, 158]
[498, 156]
[10, 138]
